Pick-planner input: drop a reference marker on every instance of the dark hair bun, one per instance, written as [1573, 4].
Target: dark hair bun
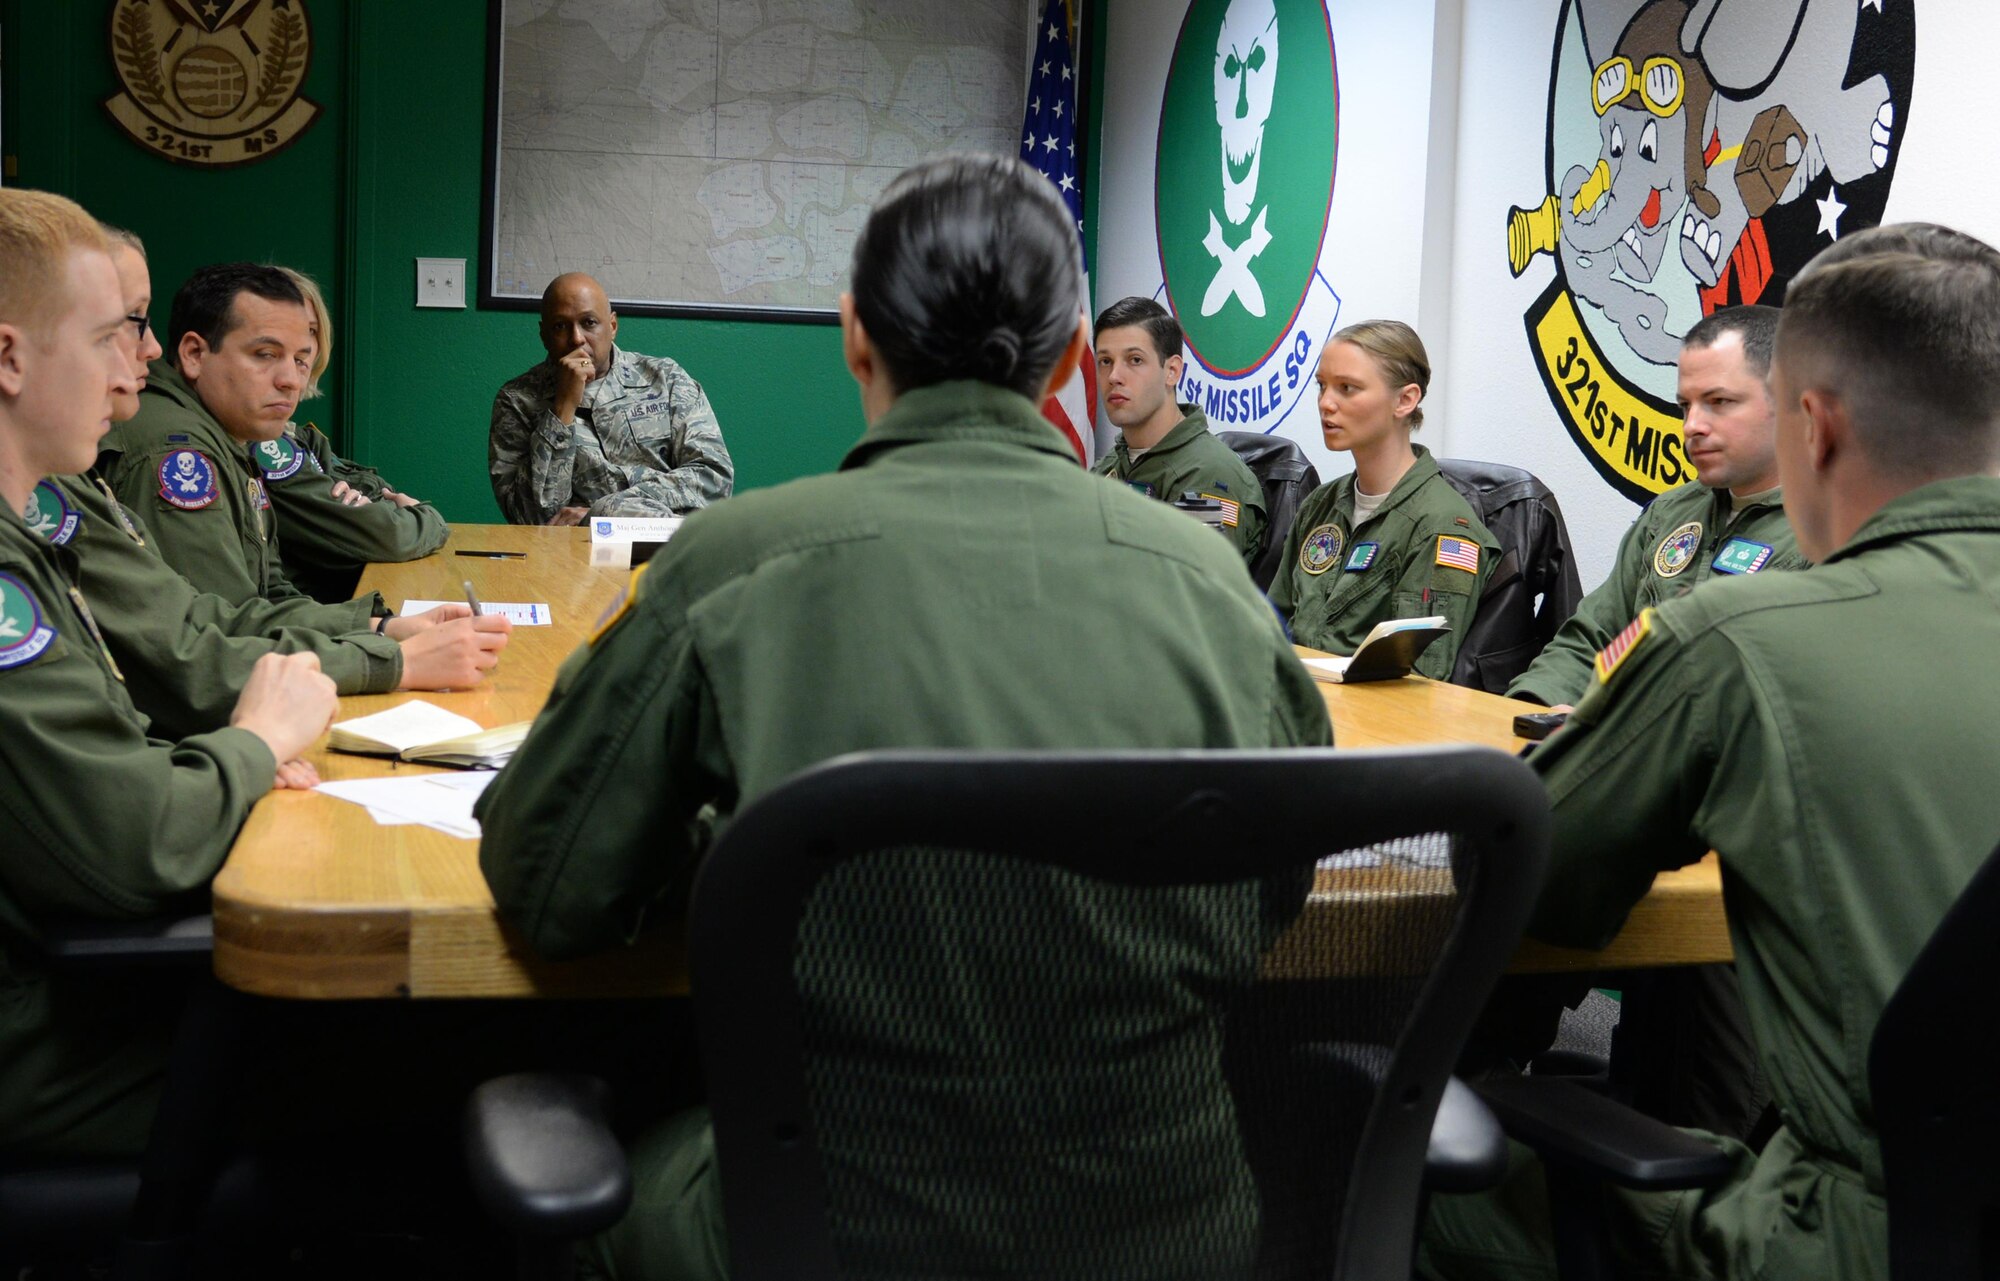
[999, 356]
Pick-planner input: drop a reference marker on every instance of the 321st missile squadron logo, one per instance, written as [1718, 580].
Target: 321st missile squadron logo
[1243, 183]
[211, 82]
[1699, 152]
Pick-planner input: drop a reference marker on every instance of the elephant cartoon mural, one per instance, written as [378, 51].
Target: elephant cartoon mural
[1712, 123]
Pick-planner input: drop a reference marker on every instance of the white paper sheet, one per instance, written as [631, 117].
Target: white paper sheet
[439, 801]
[524, 613]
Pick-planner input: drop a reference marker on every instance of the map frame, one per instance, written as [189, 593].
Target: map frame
[491, 297]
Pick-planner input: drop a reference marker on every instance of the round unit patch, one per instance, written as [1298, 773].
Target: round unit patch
[49, 514]
[1321, 550]
[280, 459]
[1676, 550]
[187, 479]
[23, 634]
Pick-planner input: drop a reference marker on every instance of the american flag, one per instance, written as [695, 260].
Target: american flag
[1048, 142]
[1612, 655]
[1459, 553]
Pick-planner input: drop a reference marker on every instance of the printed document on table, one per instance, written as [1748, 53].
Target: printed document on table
[524, 614]
[440, 801]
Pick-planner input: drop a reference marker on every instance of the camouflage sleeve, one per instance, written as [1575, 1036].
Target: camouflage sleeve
[529, 454]
[1561, 673]
[700, 471]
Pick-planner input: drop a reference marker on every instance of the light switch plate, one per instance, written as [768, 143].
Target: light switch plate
[441, 282]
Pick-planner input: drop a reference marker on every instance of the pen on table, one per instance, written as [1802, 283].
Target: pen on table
[473, 600]
[495, 555]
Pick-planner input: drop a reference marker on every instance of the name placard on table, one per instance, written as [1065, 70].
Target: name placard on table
[624, 541]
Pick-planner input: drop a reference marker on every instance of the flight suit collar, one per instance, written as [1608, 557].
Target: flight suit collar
[959, 411]
[1722, 510]
[164, 378]
[1943, 506]
[1420, 471]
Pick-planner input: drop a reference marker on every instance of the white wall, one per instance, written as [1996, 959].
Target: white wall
[1443, 124]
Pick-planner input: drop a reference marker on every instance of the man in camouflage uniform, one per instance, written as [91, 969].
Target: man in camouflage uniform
[1730, 522]
[1753, 717]
[597, 431]
[1165, 449]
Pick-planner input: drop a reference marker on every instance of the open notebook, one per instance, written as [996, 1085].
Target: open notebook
[425, 732]
[1390, 650]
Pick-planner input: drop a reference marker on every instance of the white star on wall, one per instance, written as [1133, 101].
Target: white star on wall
[1830, 210]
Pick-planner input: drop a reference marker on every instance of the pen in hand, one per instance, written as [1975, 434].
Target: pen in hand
[473, 600]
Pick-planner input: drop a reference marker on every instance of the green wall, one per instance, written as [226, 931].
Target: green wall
[389, 172]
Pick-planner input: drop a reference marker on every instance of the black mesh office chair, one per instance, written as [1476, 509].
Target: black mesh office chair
[1075, 1014]
[1287, 476]
[1535, 589]
[1932, 1063]
[152, 1205]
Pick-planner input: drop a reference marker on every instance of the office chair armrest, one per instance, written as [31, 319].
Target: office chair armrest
[1568, 1124]
[156, 942]
[1468, 1151]
[542, 1157]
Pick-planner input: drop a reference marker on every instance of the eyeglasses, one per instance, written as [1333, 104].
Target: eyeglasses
[142, 323]
[1658, 83]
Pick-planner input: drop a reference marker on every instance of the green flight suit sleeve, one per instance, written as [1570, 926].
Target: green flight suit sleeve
[205, 546]
[186, 655]
[102, 820]
[1249, 532]
[1562, 672]
[1627, 777]
[320, 530]
[1299, 716]
[1428, 588]
[588, 830]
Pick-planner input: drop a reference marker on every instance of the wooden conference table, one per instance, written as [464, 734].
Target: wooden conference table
[318, 901]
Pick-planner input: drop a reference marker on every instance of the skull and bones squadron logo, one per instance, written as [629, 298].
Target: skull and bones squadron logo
[1699, 152]
[211, 82]
[1243, 184]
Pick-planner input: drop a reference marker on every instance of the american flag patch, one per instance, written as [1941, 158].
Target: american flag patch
[1459, 553]
[1622, 645]
[1230, 509]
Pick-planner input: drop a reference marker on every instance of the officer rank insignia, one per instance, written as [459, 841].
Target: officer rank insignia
[187, 480]
[1361, 557]
[280, 458]
[1676, 550]
[1321, 549]
[1613, 656]
[23, 633]
[1458, 553]
[1741, 556]
[50, 515]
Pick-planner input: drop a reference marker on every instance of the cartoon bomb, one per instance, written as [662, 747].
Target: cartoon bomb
[1710, 113]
